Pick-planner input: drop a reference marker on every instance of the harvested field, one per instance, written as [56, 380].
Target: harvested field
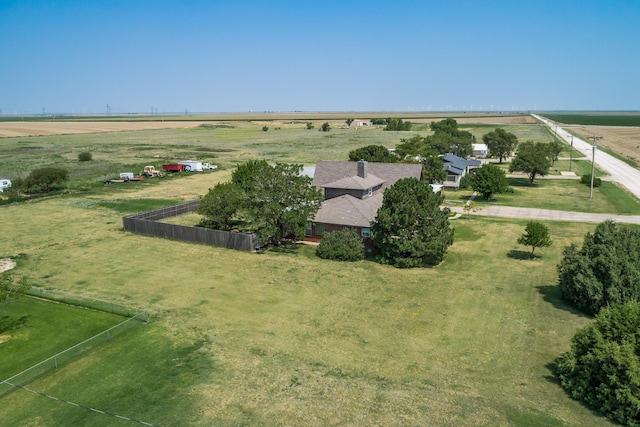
[64, 127]
[623, 140]
[21, 129]
[488, 120]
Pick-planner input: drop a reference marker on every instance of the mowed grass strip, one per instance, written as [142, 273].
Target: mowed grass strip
[283, 337]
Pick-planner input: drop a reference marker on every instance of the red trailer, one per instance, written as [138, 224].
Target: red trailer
[173, 167]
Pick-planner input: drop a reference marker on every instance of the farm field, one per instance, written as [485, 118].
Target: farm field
[620, 132]
[282, 337]
[39, 126]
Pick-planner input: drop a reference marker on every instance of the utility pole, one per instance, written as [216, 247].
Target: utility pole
[593, 163]
[571, 153]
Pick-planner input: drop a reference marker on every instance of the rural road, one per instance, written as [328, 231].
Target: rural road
[620, 172]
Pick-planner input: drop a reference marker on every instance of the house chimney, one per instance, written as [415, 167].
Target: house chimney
[362, 169]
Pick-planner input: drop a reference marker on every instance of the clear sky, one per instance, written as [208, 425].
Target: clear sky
[136, 56]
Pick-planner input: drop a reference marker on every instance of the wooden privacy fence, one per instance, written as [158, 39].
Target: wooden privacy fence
[147, 223]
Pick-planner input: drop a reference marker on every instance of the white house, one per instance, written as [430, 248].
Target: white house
[480, 151]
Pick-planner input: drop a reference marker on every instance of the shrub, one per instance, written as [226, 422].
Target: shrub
[341, 245]
[586, 179]
[465, 182]
[602, 369]
[44, 179]
[605, 271]
[265, 128]
[85, 156]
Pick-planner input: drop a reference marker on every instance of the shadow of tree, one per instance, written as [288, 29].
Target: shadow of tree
[521, 255]
[9, 324]
[552, 294]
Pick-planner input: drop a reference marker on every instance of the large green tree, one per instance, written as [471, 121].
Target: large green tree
[532, 159]
[220, 205]
[604, 271]
[448, 138]
[278, 200]
[397, 124]
[500, 143]
[373, 153]
[410, 229]
[488, 180]
[417, 150]
[554, 148]
[602, 368]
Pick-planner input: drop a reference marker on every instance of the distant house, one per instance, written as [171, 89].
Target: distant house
[480, 151]
[353, 194]
[356, 123]
[457, 167]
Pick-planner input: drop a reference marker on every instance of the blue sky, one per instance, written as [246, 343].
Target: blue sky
[238, 56]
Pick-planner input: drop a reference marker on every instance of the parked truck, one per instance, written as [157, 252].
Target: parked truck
[209, 166]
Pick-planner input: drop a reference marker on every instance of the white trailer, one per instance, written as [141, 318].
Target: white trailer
[191, 165]
[4, 183]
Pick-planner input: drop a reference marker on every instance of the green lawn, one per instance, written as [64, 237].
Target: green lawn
[52, 327]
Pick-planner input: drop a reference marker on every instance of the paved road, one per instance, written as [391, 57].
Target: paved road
[551, 215]
[620, 172]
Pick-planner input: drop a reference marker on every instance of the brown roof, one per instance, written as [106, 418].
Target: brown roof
[349, 210]
[330, 172]
[356, 183]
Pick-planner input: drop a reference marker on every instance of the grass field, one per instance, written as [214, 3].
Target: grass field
[282, 337]
[285, 338]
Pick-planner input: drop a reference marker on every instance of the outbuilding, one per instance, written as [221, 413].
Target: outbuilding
[191, 165]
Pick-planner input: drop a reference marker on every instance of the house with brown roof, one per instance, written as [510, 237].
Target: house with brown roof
[353, 194]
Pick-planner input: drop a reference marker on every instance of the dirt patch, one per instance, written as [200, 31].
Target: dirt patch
[623, 140]
[18, 129]
[6, 264]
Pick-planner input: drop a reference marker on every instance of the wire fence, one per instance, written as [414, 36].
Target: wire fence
[54, 362]
[88, 302]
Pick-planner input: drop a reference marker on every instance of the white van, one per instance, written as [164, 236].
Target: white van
[4, 183]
